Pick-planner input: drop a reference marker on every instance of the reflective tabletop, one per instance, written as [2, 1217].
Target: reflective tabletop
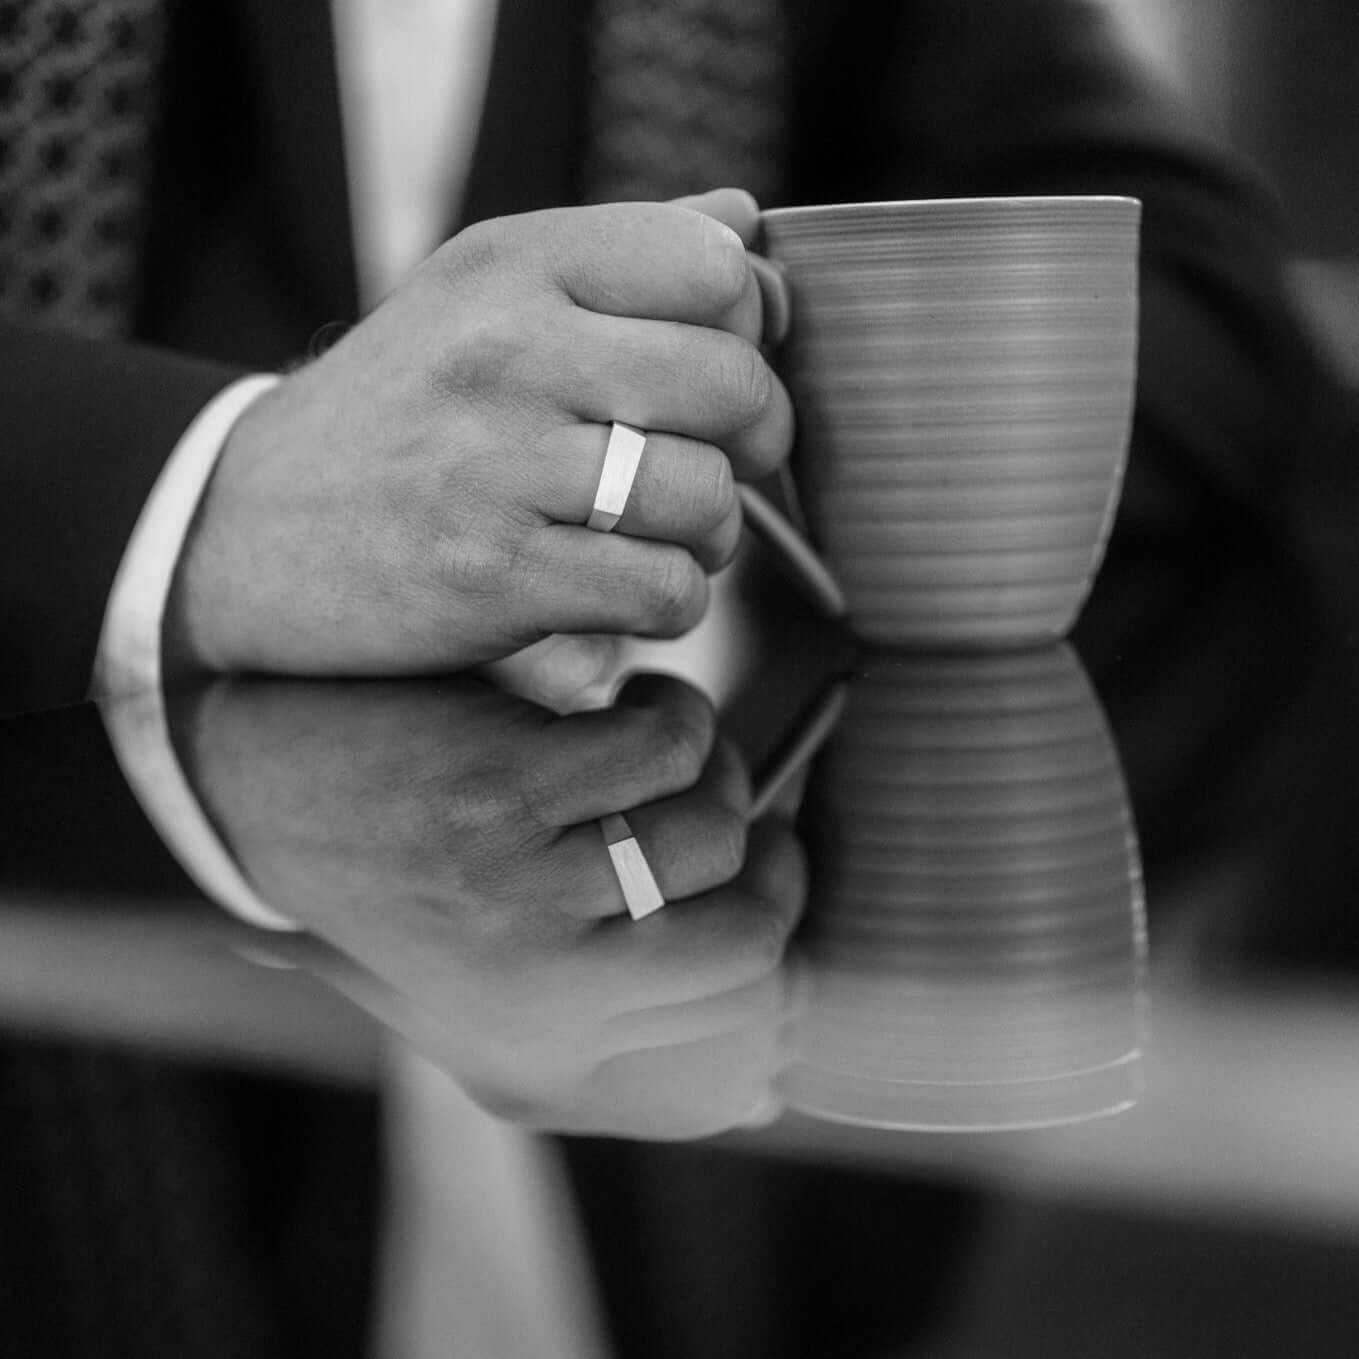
[1045, 957]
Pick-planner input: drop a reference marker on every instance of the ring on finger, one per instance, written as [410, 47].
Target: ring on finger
[621, 459]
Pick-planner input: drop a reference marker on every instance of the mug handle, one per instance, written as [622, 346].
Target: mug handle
[774, 786]
[808, 572]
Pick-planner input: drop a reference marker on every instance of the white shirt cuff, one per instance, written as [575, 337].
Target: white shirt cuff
[128, 662]
[128, 658]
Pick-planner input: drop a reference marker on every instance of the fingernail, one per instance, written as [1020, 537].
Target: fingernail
[774, 298]
[575, 663]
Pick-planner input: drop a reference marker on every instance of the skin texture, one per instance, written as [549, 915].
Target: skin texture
[437, 839]
[414, 500]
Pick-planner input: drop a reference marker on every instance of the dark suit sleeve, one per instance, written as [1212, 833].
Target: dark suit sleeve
[70, 827]
[1228, 564]
[1235, 439]
[86, 429]
[962, 97]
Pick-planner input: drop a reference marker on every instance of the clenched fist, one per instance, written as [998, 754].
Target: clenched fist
[440, 839]
[415, 499]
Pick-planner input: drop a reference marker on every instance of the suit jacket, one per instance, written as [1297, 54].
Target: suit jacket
[248, 255]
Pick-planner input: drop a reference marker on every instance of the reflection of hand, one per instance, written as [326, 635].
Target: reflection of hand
[415, 499]
[442, 837]
[671, 1029]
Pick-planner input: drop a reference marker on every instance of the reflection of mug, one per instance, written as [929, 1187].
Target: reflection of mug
[974, 943]
[963, 373]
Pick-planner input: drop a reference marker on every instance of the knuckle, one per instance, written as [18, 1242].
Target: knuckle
[513, 241]
[486, 353]
[722, 543]
[781, 877]
[767, 940]
[539, 796]
[503, 804]
[478, 840]
[725, 270]
[676, 756]
[520, 567]
[527, 572]
[745, 381]
[478, 564]
[673, 591]
[588, 253]
[597, 277]
[484, 258]
[675, 747]
[474, 246]
[727, 843]
[732, 777]
[711, 485]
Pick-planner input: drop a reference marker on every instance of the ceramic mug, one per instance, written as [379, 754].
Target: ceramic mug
[963, 373]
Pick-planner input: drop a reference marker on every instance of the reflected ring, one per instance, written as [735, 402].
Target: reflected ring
[630, 867]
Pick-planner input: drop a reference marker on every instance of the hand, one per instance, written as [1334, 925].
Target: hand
[415, 499]
[679, 1030]
[441, 838]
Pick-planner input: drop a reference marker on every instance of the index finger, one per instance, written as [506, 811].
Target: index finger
[651, 261]
[763, 313]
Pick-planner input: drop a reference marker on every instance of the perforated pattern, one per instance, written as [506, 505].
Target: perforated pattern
[78, 86]
[686, 95]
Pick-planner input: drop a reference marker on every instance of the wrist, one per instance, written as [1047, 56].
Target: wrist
[205, 624]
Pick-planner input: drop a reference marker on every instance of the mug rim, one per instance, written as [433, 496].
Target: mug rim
[1007, 200]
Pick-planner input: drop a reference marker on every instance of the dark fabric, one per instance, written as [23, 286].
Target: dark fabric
[685, 95]
[80, 91]
[123, 1208]
[1060, 1279]
[956, 97]
[73, 829]
[248, 256]
[150, 1210]
[529, 150]
[250, 246]
[87, 428]
[150, 1207]
[706, 1251]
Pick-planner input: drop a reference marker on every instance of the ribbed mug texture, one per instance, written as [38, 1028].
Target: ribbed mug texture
[975, 940]
[963, 373]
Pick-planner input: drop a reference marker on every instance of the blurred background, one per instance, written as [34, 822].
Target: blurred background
[1156, 1268]
[1278, 83]
[1220, 1216]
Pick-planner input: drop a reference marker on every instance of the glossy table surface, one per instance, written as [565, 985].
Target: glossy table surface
[1080, 925]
